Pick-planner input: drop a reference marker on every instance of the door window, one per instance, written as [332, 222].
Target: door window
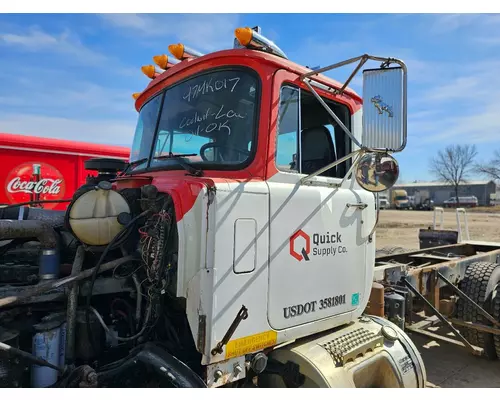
[308, 137]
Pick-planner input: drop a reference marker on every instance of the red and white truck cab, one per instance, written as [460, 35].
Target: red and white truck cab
[258, 155]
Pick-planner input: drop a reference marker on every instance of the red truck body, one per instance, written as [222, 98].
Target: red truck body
[35, 168]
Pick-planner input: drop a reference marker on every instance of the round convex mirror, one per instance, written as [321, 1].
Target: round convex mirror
[377, 172]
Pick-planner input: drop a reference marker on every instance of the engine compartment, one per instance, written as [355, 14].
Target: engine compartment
[89, 298]
[92, 292]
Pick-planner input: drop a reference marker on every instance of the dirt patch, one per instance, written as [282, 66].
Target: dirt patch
[400, 228]
[490, 210]
[398, 224]
[451, 366]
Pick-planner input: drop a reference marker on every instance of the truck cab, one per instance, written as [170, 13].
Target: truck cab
[250, 131]
[383, 202]
[400, 200]
[259, 155]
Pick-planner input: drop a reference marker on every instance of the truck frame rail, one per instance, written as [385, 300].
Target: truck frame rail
[430, 280]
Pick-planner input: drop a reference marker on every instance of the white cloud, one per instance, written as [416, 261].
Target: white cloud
[63, 93]
[419, 116]
[475, 82]
[113, 132]
[463, 127]
[488, 40]
[37, 40]
[142, 23]
[320, 51]
[458, 103]
[445, 23]
[92, 97]
[313, 50]
[52, 103]
[477, 29]
[207, 32]
[455, 89]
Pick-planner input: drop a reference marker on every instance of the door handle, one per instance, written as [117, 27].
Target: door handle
[361, 206]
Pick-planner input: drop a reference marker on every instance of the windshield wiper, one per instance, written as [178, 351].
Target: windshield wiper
[172, 155]
[134, 163]
[183, 163]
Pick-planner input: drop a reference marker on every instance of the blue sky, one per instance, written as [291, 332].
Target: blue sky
[72, 76]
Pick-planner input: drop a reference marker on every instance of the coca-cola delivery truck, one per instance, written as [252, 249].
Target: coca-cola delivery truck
[35, 169]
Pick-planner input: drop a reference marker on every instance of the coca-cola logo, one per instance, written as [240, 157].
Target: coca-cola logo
[33, 181]
[44, 186]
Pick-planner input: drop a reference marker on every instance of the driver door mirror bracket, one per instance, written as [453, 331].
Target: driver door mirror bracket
[384, 124]
[308, 178]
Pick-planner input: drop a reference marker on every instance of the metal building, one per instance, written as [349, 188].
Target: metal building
[440, 191]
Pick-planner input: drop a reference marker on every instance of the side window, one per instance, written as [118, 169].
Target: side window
[288, 131]
[322, 140]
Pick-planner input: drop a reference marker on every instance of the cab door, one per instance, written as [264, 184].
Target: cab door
[318, 230]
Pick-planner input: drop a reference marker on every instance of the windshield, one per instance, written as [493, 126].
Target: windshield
[144, 132]
[400, 198]
[209, 118]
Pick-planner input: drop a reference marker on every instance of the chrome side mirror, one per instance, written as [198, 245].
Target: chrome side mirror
[384, 109]
[376, 172]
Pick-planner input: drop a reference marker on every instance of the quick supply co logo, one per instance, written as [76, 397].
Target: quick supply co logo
[300, 252]
[303, 246]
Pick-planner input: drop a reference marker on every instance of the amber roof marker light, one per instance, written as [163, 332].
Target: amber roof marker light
[244, 35]
[182, 52]
[161, 60]
[149, 71]
[136, 95]
[252, 39]
[164, 62]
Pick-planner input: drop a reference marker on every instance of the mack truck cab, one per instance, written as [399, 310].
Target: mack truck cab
[270, 215]
[251, 200]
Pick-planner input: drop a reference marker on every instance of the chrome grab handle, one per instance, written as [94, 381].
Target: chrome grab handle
[361, 206]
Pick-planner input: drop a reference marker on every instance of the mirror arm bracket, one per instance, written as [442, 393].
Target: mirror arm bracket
[377, 218]
[332, 114]
[386, 61]
[362, 62]
[356, 153]
[353, 166]
[331, 165]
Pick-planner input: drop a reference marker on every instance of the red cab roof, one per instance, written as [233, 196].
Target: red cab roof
[260, 56]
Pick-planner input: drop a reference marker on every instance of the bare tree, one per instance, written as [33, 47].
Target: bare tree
[454, 164]
[492, 168]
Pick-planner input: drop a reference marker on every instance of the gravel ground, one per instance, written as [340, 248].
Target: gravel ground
[447, 365]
